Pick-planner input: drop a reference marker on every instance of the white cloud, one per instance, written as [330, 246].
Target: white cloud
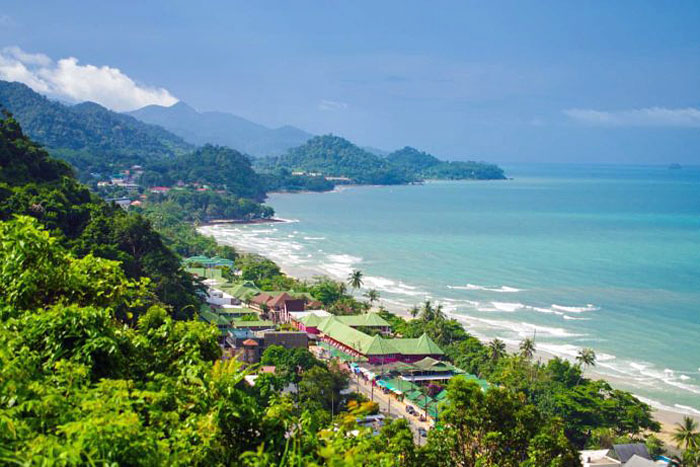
[68, 79]
[332, 105]
[650, 116]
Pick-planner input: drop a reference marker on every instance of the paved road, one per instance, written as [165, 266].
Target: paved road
[390, 406]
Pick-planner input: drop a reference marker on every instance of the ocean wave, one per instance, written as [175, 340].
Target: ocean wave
[391, 286]
[339, 265]
[575, 309]
[501, 289]
[314, 238]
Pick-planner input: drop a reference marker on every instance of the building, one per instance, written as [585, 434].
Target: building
[237, 338]
[376, 349]
[621, 455]
[277, 306]
[310, 320]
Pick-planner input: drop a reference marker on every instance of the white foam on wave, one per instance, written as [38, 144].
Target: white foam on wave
[501, 289]
[392, 286]
[340, 265]
[687, 408]
[507, 307]
[314, 238]
[575, 309]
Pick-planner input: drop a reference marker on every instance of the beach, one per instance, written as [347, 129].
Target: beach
[605, 258]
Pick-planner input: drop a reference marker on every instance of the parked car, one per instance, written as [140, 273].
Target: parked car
[410, 409]
[422, 418]
[422, 432]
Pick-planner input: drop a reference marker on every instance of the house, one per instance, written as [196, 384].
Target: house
[621, 455]
[626, 452]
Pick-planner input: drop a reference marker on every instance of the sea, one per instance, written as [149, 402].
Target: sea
[576, 256]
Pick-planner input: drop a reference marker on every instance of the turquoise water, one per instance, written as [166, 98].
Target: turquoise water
[579, 256]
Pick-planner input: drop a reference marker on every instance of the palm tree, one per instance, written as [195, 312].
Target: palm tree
[497, 349]
[372, 295]
[527, 348]
[355, 279]
[427, 313]
[686, 434]
[414, 311]
[586, 357]
[438, 314]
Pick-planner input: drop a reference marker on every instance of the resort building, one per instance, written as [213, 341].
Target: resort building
[376, 349]
[310, 321]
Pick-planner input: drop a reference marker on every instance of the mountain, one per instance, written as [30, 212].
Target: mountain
[88, 135]
[222, 128]
[424, 165]
[333, 156]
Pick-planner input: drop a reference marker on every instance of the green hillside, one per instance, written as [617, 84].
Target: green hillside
[333, 156]
[425, 165]
[88, 135]
[33, 184]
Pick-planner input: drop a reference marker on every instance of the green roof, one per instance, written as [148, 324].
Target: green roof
[312, 320]
[422, 345]
[336, 329]
[435, 366]
[400, 385]
[341, 332]
[211, 317]
[365, 319]
[241, 323]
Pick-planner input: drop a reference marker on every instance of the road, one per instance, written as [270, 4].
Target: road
[390, 406]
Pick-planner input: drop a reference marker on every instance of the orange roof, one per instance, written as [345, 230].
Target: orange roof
[280, 299]
[250, 342]
[261, 298]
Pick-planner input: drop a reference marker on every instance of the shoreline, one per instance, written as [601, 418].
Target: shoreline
[667, 416]
[267, 220]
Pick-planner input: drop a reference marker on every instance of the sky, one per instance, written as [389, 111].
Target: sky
[502, 81]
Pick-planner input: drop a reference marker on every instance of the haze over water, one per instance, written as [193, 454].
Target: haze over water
[606, 257]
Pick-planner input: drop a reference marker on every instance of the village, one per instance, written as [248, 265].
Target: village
[406, 377]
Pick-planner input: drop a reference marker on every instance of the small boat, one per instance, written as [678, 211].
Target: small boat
[675, 166]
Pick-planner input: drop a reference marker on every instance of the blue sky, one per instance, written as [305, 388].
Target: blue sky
[557, 81]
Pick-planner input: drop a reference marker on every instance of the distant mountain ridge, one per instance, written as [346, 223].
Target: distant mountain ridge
[223, 129]
[87, 134]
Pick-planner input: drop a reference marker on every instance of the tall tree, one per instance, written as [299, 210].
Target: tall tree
[497, 349]
[355, 279]
[372, 295]
[527, 348]
[686, 434]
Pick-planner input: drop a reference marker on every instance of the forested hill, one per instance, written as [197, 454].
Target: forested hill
[333, 156]
[337, 157]
[425, 165]
[34, 184]
[222, 128]
[87, 135]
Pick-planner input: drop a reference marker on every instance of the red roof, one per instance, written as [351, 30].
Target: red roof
[250, 342]
[280, 299]
[261, 298]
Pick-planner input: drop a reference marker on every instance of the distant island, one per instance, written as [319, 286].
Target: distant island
[339, 160]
